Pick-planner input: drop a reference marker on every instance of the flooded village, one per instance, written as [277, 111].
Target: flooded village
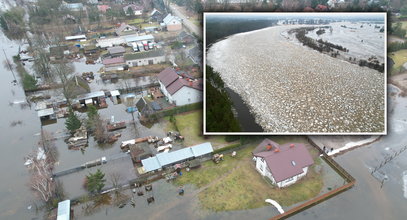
[113, 130]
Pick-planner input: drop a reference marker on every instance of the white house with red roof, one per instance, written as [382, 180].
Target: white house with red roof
[282, 164]
[179, 90]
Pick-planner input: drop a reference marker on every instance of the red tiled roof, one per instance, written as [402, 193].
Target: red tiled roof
[173, 82]
[115, 60]
[103, 8]
[167, 76]
[287, 161]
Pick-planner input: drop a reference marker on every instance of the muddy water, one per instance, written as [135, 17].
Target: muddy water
[246, 119]
[367, 200]
[16, 142]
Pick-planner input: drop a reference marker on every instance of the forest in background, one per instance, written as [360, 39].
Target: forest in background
[218, 28]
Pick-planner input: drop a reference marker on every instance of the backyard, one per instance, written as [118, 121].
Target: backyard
[234, 184]
[189, 124]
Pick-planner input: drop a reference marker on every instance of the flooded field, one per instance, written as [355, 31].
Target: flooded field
[291, 88]
[361, 38]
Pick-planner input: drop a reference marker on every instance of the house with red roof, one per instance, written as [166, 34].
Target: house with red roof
[283, 164]
[180, 90]
[103, 8]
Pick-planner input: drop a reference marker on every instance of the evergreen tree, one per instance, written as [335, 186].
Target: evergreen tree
[72, 122]
[95, 181]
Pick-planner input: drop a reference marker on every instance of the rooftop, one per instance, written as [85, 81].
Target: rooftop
[115, 50]
[287, 160]
[115, 60]
[164, 159]
[141, 55]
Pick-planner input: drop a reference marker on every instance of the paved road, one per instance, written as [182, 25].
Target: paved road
[187, 23]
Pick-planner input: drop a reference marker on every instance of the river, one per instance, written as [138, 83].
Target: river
[294, 89]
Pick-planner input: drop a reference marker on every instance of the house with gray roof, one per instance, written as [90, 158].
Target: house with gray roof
[283, 164]
[172, 23]
[167, 159]
[126, 29]
[179, 90]
[145, 58]
[116, 51]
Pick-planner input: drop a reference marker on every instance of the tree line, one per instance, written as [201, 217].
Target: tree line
[217, 29]
[219, 115]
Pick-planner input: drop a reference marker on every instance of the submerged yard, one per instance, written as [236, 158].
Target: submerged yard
[234, 184]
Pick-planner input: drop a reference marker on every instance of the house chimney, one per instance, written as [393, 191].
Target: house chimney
[276, 150]
[269, 147]
[190, 84]
[292, 145]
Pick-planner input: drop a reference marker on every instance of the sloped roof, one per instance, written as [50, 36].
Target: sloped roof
[164, 159]
[155, 11]
[118, 49]
[288, 161]
[167, 76]
[146, 54]
[134, 7]
[173, 82]
[263, 145]
[202, 149]
[133, 38]
[124, 26]
[113, 60]
[169, 18]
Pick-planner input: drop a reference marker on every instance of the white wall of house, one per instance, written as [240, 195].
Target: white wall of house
[262, 168]
[186, 95]
[146, 61]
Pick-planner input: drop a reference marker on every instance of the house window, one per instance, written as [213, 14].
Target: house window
[262, 159]
[261, 168]
[289, 179]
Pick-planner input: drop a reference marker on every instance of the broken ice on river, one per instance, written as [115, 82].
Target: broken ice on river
[291, 88]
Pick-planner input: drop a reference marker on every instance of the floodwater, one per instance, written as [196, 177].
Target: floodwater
[246, 119]
[367, 200]
[362, 39]
[291, 88]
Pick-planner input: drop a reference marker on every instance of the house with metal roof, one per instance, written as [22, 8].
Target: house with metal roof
[117, 62]
[172, 23]
[155, 15]
[179, 90]
[64, 210]
[283, 164]
[46, 114]
[145, 58]
[72, 6]
[138, 39]
[166, 159]
[110, 42]
[116, 51]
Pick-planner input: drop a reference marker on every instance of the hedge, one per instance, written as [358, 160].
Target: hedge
[229, 147]
[176, 110]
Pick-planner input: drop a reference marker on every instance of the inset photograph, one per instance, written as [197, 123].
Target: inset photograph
[295, 73]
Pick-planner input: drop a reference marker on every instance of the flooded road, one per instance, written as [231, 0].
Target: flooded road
[367, 200]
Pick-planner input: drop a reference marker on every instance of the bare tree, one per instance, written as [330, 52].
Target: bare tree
[47, 142]
[41, 176]
[64, 70]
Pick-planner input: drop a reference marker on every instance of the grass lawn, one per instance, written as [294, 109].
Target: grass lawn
[190, 126]
[399, 58]
[234, 184]
[154, 24]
